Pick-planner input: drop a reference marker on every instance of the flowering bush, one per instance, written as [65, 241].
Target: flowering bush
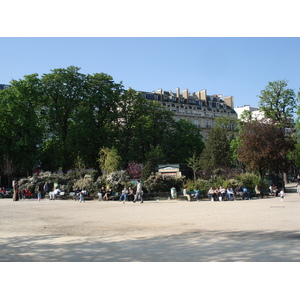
[134, 170]
[117, 179]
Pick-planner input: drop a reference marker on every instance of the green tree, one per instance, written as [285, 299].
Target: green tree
[109, 160]
[155, 156]
[194, 162]
[217, 153]
[63, 91]
[142, 126]
[278, 103]
[96, 117]
[151, 128]
[183, 140]
[20, 127]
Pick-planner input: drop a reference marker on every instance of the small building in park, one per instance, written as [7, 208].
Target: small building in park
[175, 170]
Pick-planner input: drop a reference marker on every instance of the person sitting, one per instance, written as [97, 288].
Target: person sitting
[273, 190]
[230, 194]
[258, 192]
[123, 195]
[186, 194]
[101, 193]
[107, 194]
[211, 194]
[2, 192]
[245, 193]
[76, 195]
[130, 194]
[217, 194]
[238, 191]
[55, 193]
[197, 194]
[222, 193]
[27, 193]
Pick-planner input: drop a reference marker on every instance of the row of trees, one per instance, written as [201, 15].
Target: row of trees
[266, 145]
[68, 120]
[63, 119]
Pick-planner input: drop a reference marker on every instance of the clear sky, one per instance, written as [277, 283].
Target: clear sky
[226, 48]
[236, 66]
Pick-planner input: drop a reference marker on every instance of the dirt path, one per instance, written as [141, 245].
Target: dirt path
[60, 230]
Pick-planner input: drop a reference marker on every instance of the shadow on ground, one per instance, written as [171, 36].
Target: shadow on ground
[197, 246]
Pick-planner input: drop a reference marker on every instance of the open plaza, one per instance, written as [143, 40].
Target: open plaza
[260, 230]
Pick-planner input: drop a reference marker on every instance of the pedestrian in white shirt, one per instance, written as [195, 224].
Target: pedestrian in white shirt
[139, 192]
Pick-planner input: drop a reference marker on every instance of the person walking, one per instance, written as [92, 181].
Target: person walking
[81, 196]
[281, 194]
[139, 192]
[298, 188]
[46, 188]
[39, 195]
[16, 194]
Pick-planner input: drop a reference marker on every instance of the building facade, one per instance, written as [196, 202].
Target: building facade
[199, 108]
[4, 86]
[256, 113]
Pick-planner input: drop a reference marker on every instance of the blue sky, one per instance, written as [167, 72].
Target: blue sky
[231, 48]
[231, 66]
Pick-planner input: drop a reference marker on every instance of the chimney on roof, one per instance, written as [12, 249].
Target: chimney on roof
[178, 93]
[203, 95]
[229, 101]
[185, 94]
[160, 92]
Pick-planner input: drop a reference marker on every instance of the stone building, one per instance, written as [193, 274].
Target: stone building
[256, 113]
[4, 86]
[199, 108]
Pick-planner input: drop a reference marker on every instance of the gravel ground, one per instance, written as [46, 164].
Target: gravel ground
[264, 230]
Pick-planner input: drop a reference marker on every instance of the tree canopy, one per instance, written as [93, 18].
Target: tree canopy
[278, 103]
[264, 147]
[62, 117]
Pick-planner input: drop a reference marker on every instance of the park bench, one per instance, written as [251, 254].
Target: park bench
[190, 193]
[114, 196]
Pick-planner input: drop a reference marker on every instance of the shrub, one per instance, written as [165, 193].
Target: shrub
[159, 183]
[215, 181]
[84, 184]
[231, 183]
[203, 186]
[249, 180]
[117, 179]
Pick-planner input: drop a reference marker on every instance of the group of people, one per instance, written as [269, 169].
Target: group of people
[79, 195]
[195, 194]
[127, 194]
[105, 193]
[215, 194]
[274, 190]
[3, 192]
[221, 194]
